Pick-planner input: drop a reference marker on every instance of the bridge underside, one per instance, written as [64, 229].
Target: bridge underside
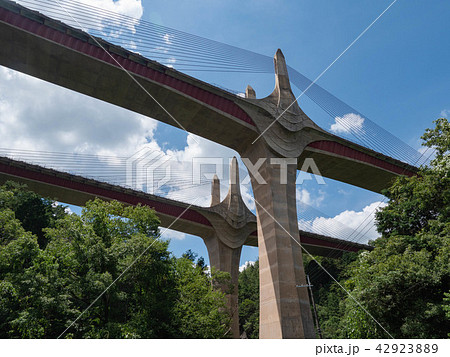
[76, 190]
[72, 60]
[345, 164]
[54, 52]
[50, 50]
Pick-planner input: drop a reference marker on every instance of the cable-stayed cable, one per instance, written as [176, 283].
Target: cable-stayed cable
[194, 53]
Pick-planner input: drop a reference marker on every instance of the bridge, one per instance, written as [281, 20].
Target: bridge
[273, 128]
[195, 220]
[215, 225]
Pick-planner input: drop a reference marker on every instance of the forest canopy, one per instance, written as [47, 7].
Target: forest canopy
[404, 282]
[105, 274]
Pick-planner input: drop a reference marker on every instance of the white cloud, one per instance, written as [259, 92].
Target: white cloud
[348, 123]
[160, 49]
[198, 147]
[304, 196]
[171, 234]
[445, 113]
[349, 225]
[66, 209]
[171, 61]
[132, 8]
[247, 197]
[167, 38]
[36, 115]
[102, 21]
[246, 265]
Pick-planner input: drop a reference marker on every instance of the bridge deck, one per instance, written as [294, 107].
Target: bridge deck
[55, 52]
[77, 190]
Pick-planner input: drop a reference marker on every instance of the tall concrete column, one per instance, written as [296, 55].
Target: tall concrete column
[272, 162]
[224, 258]
[284, 309]
[232, 223]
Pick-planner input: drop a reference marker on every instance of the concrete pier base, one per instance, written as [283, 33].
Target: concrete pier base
[232, 224]
[224, 258]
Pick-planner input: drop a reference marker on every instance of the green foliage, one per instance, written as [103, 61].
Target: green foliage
[414, 203]
[249, 300]
[34, 212]
[447, 306]
[403, 281]
[110, 252]
[438, 138]
[192, 256]
[201, 309]
[327, 295]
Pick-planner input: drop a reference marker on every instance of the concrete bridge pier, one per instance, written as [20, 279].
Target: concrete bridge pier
[232, 224]
[272, 163]
[284, 309]
[226, 259]
[42, 47]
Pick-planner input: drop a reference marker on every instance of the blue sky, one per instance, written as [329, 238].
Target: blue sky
[397, 74]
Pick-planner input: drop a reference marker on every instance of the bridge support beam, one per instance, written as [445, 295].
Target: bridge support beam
[285, 132]
[284, 309]
[232, 224]
[224, 258]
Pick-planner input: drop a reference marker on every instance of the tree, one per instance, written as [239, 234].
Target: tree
[416, 202]
[439, 139]
[201, 309]
[18, 250]
[403, 281]
[110, 252]
[33, 211]
[328, 295]
[249, 300]
[85, 254]
[447, 306]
